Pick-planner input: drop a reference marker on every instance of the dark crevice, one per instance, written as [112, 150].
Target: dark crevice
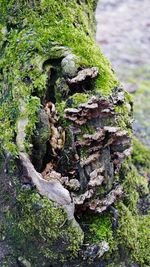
[39, 159]
[50, 91]
[55, 62]
[48, 157]
[82, 87]
[107, 137]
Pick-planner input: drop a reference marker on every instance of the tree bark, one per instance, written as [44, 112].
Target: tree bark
[66, 127]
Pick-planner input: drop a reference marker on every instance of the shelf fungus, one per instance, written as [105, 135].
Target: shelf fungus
[89, 73]
[94, 108]
[82, 155]
[100, 205]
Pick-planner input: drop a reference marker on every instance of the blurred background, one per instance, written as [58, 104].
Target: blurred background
[123, 31]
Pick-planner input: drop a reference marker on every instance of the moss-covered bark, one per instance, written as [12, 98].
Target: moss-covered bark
[65, 131]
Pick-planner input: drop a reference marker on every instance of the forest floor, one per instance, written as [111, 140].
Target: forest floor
[123, 31]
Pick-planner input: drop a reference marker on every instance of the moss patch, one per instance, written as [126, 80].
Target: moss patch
[129, 240]
[27, 42]
[133, 233]
[134, 236]
[140, 154]
[100, 229]
[39, 230]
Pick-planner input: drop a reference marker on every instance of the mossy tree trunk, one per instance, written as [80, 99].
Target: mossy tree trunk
[65, 131]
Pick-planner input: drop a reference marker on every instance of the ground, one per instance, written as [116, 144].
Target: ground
[123, 30]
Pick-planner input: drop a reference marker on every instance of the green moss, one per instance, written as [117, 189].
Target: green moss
[127, 231]
[33, 229]
[124, 113]
[8, 116]
[79, 98]
[133, 233]
[84, 153]
[128, 97]
[86, 129]
[140, 154]
[123, 117]
[60, 28]
[99, 229]
[32, 108]
[61, 108]
[134, 184]
[134, 236]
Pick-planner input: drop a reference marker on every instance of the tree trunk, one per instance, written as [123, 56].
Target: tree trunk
[66, 129]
